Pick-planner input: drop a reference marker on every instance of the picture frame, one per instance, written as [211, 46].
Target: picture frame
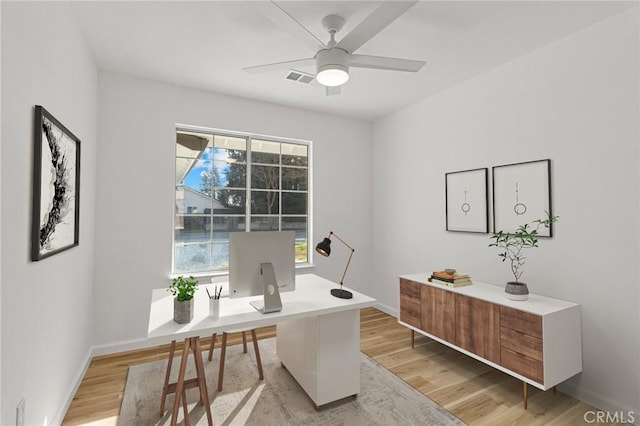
[522, 194]
[467, 201]
[56, 187]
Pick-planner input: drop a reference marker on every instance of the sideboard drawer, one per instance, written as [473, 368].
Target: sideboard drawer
[523, 322]
[521, 343]
[410, 306]
[521, 364]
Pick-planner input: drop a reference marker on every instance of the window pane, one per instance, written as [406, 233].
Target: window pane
[294, 155]
[191, 144]
[265, 177]
[265, 202]
[180, 206]
[264, 223]
[194, 228]
[294, 203]
[229, 201]
[299, 225]
[220, 255]
[265, 152]
[222, 225]
[191, 201]
[230, 149]
[229, 175]
[294, 179]
[197, 175]
[192, 257]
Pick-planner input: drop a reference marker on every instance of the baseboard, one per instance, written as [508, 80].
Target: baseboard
[387, 309]
[128, 345]
[617, 414]
[59, 418]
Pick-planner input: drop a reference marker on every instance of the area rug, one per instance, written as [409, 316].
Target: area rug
[384, 399]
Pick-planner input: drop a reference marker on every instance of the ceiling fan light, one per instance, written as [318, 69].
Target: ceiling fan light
[332, 67]
[333, 75]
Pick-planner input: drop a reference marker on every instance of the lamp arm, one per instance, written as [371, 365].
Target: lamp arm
[341, 240]
[346, 267]
[350, 256]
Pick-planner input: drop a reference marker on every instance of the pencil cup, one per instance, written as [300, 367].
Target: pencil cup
[214, 308]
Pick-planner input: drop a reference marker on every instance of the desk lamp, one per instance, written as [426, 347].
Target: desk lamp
[324, 248]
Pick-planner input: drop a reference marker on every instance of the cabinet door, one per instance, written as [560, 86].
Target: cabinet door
[478, 327]
[410, 302]
[438, 312]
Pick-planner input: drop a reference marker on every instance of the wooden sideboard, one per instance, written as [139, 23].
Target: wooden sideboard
[538, 341]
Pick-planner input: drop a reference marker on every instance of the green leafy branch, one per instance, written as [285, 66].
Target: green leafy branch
[512, 244]
[183, 288]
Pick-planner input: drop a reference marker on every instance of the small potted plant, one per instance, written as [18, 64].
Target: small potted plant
[512, 244]
[183, 289]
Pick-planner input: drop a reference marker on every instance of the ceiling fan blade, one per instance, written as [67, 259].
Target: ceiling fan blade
[279, 66]
[385, 63]
[385, 14]
[332, 91]
[280, 17]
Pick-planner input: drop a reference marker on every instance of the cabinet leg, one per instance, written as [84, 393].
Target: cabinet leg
[525, 391]
[413, 339]
[555, 390]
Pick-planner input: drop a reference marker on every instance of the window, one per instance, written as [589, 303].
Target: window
[231, 182]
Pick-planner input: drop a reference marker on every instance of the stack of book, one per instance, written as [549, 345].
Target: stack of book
[457, 279]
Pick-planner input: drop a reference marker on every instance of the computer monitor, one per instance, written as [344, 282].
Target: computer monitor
[248, 250]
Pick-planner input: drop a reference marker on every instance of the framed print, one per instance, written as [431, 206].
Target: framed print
[467, 204]
[521, 194]
[56, 187]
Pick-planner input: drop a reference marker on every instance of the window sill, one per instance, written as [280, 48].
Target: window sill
[222, 276]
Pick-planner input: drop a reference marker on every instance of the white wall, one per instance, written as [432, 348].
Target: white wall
[135, 187]
[46, 305]
[0, 217]
[576, 102]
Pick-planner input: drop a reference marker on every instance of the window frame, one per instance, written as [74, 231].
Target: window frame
[249, 138]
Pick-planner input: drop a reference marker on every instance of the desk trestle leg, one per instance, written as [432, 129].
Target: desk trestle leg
[191, 344]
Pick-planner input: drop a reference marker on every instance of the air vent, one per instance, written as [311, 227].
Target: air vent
[300, 77]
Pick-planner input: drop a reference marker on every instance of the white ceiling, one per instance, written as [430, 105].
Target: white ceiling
[204, 45]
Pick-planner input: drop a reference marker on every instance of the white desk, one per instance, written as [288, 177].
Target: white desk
[318, 335]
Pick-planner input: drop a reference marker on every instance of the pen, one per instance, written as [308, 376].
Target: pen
[208, 292]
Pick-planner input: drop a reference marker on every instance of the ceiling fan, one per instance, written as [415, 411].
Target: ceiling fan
[333, 59]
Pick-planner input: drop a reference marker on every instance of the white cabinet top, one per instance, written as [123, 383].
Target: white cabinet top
[538, 305]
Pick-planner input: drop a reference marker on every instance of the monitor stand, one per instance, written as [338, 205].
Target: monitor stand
[271, 293]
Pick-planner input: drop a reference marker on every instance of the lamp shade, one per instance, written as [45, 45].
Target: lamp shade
[324, 247]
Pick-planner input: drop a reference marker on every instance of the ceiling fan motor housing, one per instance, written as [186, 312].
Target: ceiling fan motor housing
[332, 61]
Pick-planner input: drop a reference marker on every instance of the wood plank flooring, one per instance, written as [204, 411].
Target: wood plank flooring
[475, 393]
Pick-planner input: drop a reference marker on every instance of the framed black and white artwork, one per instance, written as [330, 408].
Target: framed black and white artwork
[467, 204]
[56, 187]
[521, 195]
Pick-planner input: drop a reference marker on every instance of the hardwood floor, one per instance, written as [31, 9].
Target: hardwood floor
[475, 393]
